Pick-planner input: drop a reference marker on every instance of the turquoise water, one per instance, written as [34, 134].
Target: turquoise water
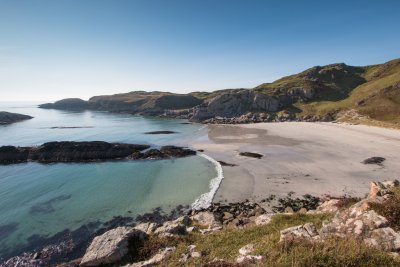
[44, 199]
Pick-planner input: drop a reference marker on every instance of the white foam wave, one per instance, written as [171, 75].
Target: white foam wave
[205, 200]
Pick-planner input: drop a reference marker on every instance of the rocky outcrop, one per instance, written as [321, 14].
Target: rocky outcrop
[110, 247]
[87, 151]
[234, 104]
[359, 221]
[8, 117]
[156, 259]
[164, 152]
[67, 104]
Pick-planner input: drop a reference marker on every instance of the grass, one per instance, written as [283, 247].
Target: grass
[226, 243]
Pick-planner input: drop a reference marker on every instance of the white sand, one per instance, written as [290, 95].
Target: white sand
[313, 158]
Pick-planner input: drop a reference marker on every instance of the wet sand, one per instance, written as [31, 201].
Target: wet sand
[305, 158]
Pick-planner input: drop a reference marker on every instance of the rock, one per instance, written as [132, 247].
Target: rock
[87, 151]
[8, 117]
[302, 211]
[359, 221]
[68, 152]
[206, 218]
[146, 227]
[249, 259]
[329, 206]
[251, 155]
[307, 230]
[374, 160]
[246, 250]
[223, 163]
[111, 246]
[192, 229]
[190, 253]
[227, 216]
[384, 238]
[234, 104]
[264, 219]
[161, 132]
[289, 210]
[378, 189]
[171, 229]
[156, 259]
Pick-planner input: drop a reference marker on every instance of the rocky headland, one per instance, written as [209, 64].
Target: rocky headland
[87, 151]
[322, 93]
[245, 234]
[8, 117]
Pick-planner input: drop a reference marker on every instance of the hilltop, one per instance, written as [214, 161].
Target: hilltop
[367, 94]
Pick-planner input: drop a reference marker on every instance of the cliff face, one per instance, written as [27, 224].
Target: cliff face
[236, 104]
[330, 92]
[8, 118]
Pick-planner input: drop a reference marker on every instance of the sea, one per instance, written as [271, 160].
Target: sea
[41, 200]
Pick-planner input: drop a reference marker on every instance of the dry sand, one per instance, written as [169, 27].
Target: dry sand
[305, 158]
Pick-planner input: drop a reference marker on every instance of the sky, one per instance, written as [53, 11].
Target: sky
[51, 50]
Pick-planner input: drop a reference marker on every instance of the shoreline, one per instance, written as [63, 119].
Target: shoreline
[206, 199]
[321, 159]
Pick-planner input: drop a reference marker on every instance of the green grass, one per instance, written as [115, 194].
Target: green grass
[226, 243]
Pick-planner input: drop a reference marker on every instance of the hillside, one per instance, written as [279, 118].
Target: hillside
[369, 95]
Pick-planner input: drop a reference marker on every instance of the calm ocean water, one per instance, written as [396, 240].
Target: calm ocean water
[44, 199]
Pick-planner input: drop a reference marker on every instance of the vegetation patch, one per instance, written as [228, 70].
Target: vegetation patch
[390, 209]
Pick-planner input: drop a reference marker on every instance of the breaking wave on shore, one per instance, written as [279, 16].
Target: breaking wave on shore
[205, 199]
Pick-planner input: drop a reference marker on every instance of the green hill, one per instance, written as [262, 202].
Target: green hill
[368, 95]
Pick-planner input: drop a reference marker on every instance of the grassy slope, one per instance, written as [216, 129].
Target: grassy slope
[372, 91]
[226, 243]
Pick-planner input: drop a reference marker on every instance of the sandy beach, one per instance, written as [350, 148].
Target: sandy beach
[305, 158]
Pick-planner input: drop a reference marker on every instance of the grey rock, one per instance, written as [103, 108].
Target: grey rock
[110, 247]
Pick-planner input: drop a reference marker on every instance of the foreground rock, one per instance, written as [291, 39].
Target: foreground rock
[359, 221]
[87, 151]
[111, 246]
[8, 117]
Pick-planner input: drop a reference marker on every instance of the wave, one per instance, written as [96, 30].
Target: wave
[205, 200]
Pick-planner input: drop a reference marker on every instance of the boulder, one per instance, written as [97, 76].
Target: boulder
[264, 219]
[111, 246]
[248, 259]
[206, 218]
[172, 228]
[146, 227]
[307, 230]
[156, 259]
[246, 250]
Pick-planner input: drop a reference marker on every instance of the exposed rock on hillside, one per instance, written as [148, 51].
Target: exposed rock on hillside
[235, 104]
[87, 151]
[8, 117]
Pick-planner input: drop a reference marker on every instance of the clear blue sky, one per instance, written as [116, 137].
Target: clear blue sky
[55, 49]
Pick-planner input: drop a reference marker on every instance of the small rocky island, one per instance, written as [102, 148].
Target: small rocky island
[87, 151]
[8, 117]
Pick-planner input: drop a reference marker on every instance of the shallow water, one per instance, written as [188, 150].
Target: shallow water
[43, 199]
